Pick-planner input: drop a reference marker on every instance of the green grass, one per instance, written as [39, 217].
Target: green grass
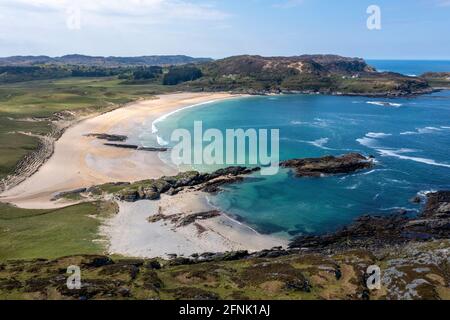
[29, 234]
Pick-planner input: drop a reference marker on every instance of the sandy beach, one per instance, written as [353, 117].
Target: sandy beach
[80, 161]
[130, 233]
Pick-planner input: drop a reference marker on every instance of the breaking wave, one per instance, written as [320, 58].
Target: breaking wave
[399, 153]
[384, 104]
[425, 130]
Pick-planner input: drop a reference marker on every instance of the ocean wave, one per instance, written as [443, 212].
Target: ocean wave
[367, 142]
[399, 209]
[161, 141]
[425, 130]
[376, 135]
[384, 104]
[353, 187]
[323, 123]
[423, 194]
[296, 123]
[166, 115]
[399, 153]
[319, 143]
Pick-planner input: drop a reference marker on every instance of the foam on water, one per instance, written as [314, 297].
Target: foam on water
[399, 153]
[385, 104]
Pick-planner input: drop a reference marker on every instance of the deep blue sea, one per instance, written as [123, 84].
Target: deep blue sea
[411, 67]
[410, 139]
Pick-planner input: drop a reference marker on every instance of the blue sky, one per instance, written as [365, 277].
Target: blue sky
[415, 29]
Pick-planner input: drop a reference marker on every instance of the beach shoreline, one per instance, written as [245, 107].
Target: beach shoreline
[81, 161]
[132, 233]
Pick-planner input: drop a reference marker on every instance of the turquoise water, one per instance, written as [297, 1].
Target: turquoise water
[410, 140]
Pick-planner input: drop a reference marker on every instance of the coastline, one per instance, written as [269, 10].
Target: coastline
[130, 233]
[79, 161]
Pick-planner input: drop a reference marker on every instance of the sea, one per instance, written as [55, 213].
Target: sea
[409, 138]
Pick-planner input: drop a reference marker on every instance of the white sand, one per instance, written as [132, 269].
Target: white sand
[129, 233]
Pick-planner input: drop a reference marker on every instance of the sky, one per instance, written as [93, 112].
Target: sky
[408, 29]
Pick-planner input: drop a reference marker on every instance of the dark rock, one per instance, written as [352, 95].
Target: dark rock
[432, 223]
[68, 193]
[300, 284]
[153, 264]
[135, 147]
[172, 191]
[180, 261]
[97, 261]
[231, 256]
[108, 137]
[315, 167]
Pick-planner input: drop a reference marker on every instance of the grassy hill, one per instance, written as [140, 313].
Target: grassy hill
[307, 73]
[110, 62]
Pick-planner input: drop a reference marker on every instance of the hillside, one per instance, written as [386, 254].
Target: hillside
[83, 60]
[306, 73]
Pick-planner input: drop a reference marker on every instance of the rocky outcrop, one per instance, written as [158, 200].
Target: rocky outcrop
[316, 167]
[211, 182]
[135, 147]
[377, 231]
[208, 182]
[182, 219]
[108, 137]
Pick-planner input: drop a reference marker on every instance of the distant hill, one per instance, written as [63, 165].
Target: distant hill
[328, 74]
[110, 62]
[306, 64]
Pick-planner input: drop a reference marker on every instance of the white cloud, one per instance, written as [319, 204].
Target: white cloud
[160, 10]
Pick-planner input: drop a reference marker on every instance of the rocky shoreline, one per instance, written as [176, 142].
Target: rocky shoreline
[371, 231]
